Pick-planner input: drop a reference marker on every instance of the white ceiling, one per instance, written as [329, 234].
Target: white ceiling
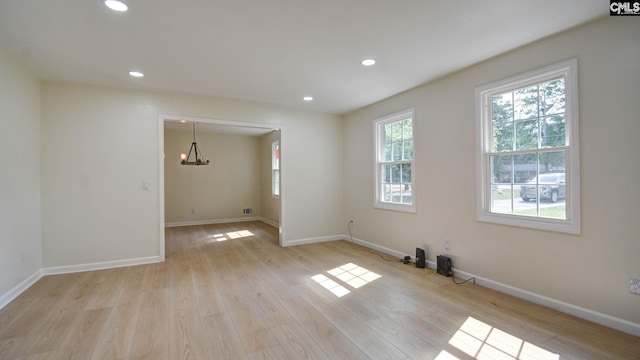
[276, 51]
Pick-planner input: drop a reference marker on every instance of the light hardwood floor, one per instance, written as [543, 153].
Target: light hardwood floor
[228, 291]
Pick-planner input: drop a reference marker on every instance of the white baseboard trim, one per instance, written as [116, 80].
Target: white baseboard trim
[567, 308]
[20, 288]
[221, 221]
[377, 247]
[270, 222]
[56, 270]
[209, 222]
[312, 240]
[583, 313]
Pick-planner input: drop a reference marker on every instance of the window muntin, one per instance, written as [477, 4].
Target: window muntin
[275, 168]
[528, 133]
[395, 162]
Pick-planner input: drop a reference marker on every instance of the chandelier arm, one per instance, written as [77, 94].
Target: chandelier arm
[195, 149]
[190, 149]
[194, 145]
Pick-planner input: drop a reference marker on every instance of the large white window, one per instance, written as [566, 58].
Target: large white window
[275, 168]
[394, 163]
[528, 154]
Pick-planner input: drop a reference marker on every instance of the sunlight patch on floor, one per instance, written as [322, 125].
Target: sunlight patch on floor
[219, 237]
[483, 341]
[445, 356]
[337, 289]
[351, 274]
[231, 235]
[354, 275]
[239, 234]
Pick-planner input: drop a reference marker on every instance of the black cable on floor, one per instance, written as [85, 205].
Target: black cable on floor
[453, 278]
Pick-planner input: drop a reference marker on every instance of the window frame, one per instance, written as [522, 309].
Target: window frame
[378, 152]
[275, 169]
[484, 138]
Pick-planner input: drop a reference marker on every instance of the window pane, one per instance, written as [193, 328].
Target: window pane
[408, 150]
[503, 136]
[552, 132]
[396, 131]
[552, 99]
[502, 108]
[555, 211]
[526, 171]
[501, 169]
[552, 162]
[524, 206]
[392, 192]
[386, 156]
[525, 167]
[407, 197]
[386, 173]
[501, 199]
[407, 129]
[527, 134]
[386, 192]
[526, 102]
[276, 182]
[387, 130]
[275, 167]
[502, 189]
[391, 173]
[406, 173]
[396, 150]
[395, 173]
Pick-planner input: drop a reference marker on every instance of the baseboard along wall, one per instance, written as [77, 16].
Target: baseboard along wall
[567, 308]
[583, 313]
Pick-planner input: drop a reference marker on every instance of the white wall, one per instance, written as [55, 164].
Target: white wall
[218, 191]
[100, 144]
[591, 270]
[20, 225]
[270, 204]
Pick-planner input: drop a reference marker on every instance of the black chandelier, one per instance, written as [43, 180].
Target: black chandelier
[199, 160]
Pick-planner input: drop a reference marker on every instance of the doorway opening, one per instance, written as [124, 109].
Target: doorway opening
[228, 182]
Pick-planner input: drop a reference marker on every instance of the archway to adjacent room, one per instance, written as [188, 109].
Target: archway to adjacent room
[170, 125]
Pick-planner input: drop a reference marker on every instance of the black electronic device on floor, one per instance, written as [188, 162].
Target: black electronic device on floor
[420, 259]
[444, 265]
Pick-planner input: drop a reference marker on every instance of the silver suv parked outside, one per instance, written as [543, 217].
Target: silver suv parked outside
[552, 187]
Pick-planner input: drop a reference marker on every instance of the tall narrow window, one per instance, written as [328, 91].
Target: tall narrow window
[528, 150]
[275, 168]
[395, 168]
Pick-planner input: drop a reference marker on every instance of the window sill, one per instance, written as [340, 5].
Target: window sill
[395, 207]
[557, 225]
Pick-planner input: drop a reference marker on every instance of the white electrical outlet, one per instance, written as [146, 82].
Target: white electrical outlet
[634, 286]
[447, 245]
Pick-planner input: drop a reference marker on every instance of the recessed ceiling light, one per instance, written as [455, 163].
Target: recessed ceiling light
[136, 73]
[368, 62]
[116, 5]
[307, 98]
